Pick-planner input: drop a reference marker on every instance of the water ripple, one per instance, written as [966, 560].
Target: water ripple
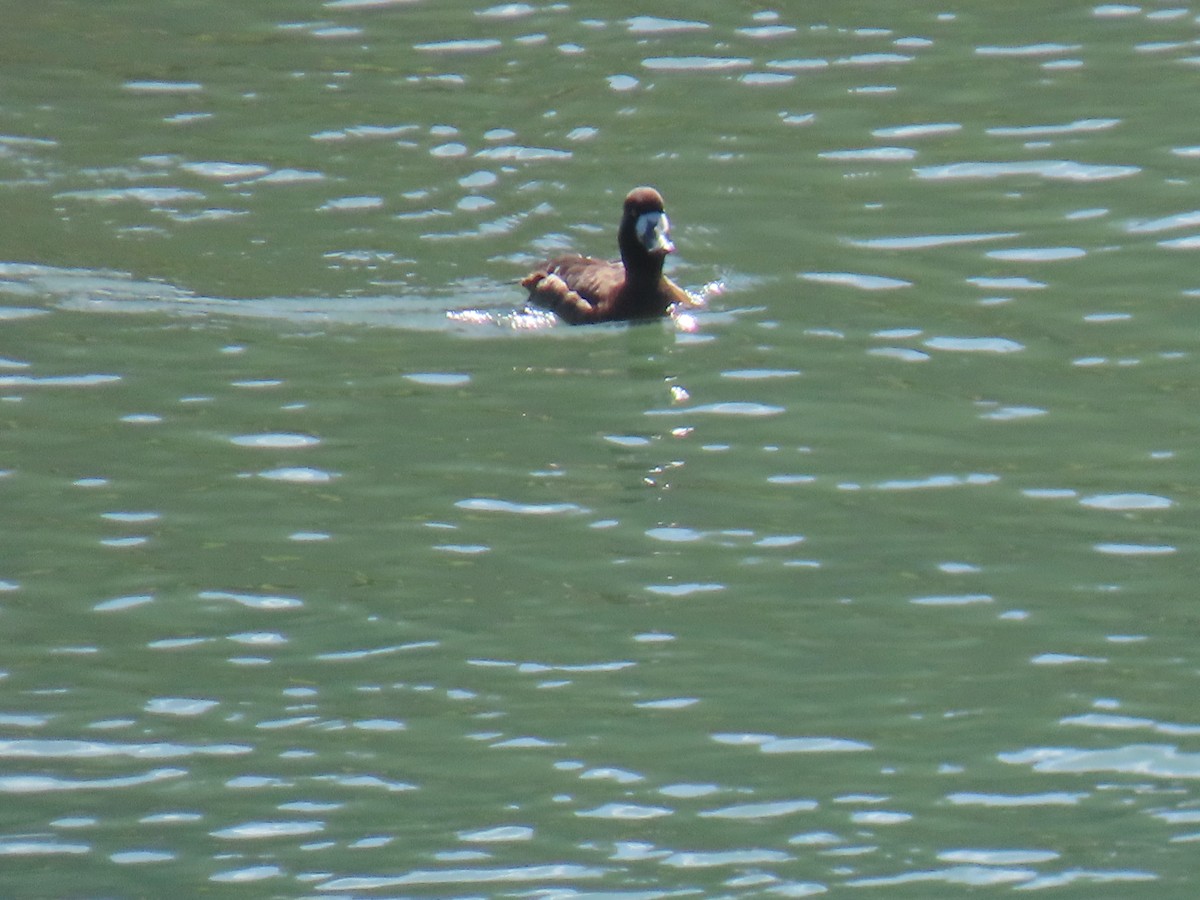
[1011, 283]
[1042, 49]
[179, 706]
[123, 603]
[505, 874]
[696, 859]
[491, 504]
[1130, 549]
[974, 344]
[367, 781]
[438, 379]
[1164, 223]
[903, 354]
[656, 25]
[31, 748]
[151, 196]
[1013, 413]
[798, 65]
[625, 812]
[275, 441]
[1003, 801]
[1044, 130]
[253, 601]
[853, 279]
[1124, 502]
[769, 743]
[1052, 170]
[57, 380]
[916, 131]
[298, 475]
[756, 811]
[163, 87]
[247, 875]
[499, 833]
[539, 668]
[226, 171]
[729, 408]
[766, 32]
[41, 784]
[39, 847]
[1191, 242]
[351, 655]
[1120, 723]
[929, 241]
[695, 63]
[506, 11]
[523, 154]
[873, 59]
[759, 374]
[952, 600]
[938, 481]
[1152, 760]
[685, 589]
[973, 876]
[260, 830]
[1037, 254]
[767, 78]
[459, 45]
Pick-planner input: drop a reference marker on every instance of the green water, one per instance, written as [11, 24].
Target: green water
[326, 575]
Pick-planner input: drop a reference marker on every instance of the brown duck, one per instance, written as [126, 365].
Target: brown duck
[582, 290]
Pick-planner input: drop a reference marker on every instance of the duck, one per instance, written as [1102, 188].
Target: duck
[583, 290]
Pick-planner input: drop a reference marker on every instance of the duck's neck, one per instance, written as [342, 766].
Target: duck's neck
[641, 268]
[643, 276]
[642, 295]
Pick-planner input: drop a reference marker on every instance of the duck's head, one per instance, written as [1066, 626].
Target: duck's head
[646, 222]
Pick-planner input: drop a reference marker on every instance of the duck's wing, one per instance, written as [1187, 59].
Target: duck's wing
[578, 288]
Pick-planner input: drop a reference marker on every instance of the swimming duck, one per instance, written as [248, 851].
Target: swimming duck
[583, 290]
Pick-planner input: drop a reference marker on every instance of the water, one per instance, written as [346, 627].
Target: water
[326, 574]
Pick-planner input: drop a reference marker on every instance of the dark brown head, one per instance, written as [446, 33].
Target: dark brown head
[645, 233]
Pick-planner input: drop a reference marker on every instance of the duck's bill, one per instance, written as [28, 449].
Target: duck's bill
[654, 231]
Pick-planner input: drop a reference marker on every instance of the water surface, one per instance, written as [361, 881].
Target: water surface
[328, 573]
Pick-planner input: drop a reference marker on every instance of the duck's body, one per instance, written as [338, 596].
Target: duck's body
[581, 290]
